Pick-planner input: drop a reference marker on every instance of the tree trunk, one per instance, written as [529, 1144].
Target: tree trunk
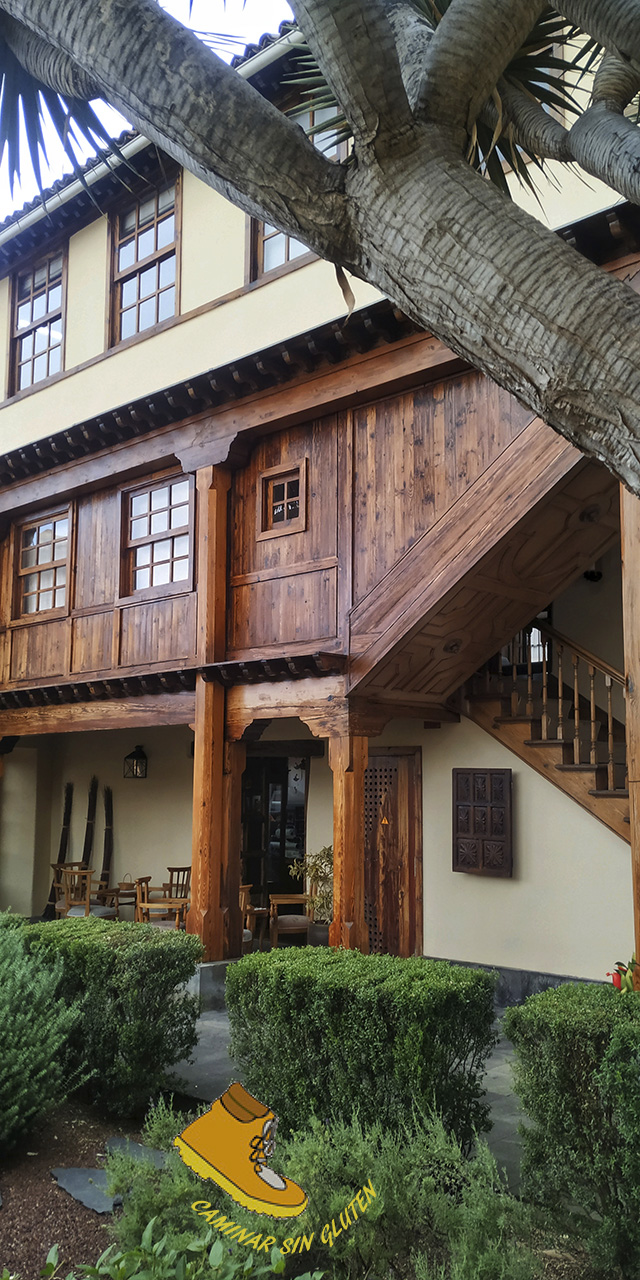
[509, 296]
[489, 280]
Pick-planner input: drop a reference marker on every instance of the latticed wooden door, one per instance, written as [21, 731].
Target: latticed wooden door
[393, 850]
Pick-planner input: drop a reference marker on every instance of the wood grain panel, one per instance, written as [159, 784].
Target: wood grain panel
[415, 455]
[475, 603]
[98, 549]
[283, 610]
[117, 713]
[91, 642]
[40, 650]
[317, 442]
[158, 631]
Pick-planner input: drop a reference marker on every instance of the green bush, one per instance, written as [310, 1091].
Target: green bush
[428, 1199]
[36, 1026]
[325, 1032]
[135, 1022]
[577, 1072]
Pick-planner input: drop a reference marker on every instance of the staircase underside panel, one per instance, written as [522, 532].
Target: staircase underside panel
[613, 810]
[517, 539]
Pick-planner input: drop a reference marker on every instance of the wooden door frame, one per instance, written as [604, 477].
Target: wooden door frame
[377, 749]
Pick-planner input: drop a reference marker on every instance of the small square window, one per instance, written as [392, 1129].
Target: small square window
[282, 501]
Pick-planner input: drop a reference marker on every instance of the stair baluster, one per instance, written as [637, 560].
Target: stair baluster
[529, 676]
[595, 726]
[576, 710]
[515, 697]
[610, 769]
[545, 692]
[560, 732]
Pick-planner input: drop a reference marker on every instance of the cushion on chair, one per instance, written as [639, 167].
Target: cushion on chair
[105, 913]
[293, 924]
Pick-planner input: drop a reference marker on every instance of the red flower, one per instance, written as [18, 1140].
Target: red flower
[616, 978]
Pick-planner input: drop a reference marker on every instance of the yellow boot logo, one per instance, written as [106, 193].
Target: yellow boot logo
[231, 1144]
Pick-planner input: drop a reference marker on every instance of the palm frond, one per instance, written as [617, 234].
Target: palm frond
[554, 56]
[30, 112]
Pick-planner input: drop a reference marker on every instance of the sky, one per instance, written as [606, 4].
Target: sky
[244, 20]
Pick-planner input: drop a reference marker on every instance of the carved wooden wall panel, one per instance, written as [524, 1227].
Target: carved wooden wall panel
[482, 822]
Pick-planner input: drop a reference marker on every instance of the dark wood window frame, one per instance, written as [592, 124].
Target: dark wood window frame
[266, 528]
[129, 593]
[48, 317]
[23, 571]
[118, 279]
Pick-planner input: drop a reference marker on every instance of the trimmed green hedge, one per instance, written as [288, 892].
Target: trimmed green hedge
[134, 1022]
[578, 1075]
[327, 1032]
[36, 1026]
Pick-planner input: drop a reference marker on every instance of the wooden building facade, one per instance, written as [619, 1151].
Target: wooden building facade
[337, 529]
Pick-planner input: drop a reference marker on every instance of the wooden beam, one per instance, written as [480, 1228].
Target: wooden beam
[126, 713]
[348, 761]
[212, 484]
[630, 530]
[235, 759]
[206, 915]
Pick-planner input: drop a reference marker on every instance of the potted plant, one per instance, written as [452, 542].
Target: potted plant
[316, 870]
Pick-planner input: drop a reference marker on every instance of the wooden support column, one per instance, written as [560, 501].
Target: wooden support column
[348, 761]
[211, 913]
[235, 759]
[206, 915]
[630, 530]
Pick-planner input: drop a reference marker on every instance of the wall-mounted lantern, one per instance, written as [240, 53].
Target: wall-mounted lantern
[135, 764]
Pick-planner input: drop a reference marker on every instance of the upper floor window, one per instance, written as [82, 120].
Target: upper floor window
[43, 563]
[144, 266]
[158, 536]
[282, 500]
[37, 331]
[272, 249]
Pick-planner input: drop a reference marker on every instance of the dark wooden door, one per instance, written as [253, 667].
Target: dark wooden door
[393, 850]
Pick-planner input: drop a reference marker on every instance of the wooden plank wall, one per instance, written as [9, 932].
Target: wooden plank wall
[283, 590]
[414, 456]
[103, 634]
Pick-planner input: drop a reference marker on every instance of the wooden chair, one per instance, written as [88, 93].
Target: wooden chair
[76, 883]
[179, 883]
[288, 924]
[162, 912]
[58, 886]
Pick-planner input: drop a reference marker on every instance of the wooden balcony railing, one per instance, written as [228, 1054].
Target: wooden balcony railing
[567, 692]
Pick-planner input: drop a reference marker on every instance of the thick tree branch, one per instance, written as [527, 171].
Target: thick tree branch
[470, 49]
[607, 145]
[200, 111]
[353, 45]
[412, 34]
[45, 63]
[614, 83]
[533, 127]
[615, 24]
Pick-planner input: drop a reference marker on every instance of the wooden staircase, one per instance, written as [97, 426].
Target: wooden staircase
[552, 703]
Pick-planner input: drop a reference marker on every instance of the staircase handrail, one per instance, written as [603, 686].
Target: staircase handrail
[599, 663]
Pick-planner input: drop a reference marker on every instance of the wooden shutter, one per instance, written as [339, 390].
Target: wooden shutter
[482, 827]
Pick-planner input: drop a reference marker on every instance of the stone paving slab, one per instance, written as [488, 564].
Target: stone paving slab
[89, 1187]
